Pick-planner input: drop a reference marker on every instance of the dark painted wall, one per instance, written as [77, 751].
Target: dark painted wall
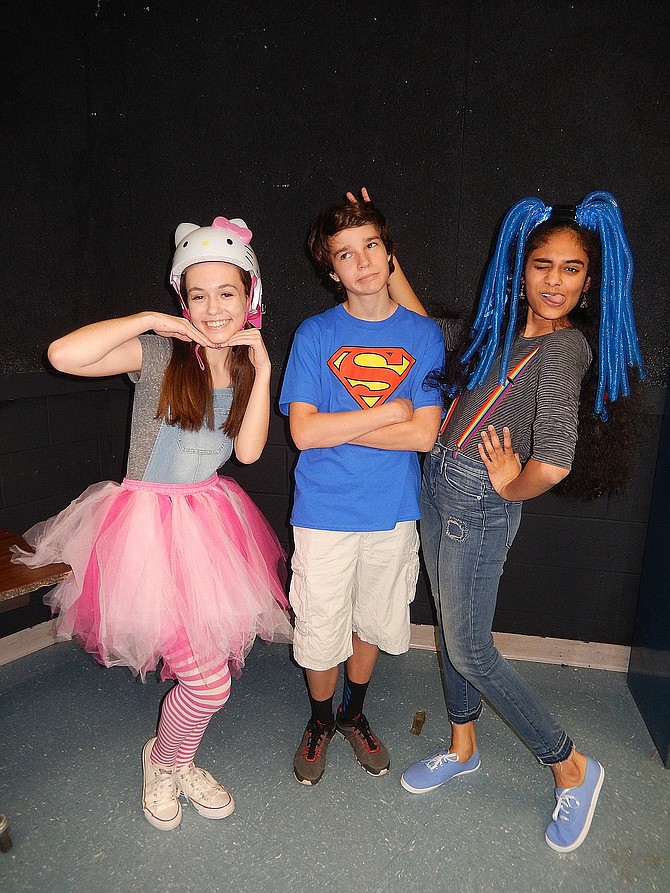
[123, 119]
[649, 670]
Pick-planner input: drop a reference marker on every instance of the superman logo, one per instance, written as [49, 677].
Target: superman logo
[371, 374]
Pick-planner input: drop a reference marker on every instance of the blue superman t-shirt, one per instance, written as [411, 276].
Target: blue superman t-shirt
[339, 363]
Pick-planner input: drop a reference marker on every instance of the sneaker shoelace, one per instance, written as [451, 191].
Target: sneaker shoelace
[161, 789]
[198, 784]
[566, 802]
[317, 734]
[362, 726]
[434, 762]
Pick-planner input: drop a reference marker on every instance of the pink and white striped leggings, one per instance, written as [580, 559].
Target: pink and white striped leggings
[188, 707]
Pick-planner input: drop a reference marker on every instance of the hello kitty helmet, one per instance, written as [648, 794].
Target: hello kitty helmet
[227, 241]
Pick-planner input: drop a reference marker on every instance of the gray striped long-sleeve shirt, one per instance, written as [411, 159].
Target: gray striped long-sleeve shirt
[541, 406]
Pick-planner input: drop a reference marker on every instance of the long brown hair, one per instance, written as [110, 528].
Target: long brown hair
[186, 394]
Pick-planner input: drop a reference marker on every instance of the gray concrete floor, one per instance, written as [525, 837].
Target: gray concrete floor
[70, 740]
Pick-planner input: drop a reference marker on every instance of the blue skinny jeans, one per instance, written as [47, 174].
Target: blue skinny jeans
[466, 532]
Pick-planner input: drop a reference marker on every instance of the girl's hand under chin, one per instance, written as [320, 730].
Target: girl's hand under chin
[257, 351]
[178, 327]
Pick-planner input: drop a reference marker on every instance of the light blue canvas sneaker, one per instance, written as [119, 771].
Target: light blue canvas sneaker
[436, 770]
[572, 817]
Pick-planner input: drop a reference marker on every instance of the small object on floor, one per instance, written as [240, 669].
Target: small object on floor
[309, 762]
[207, 795]
[434, 771]
[5, 839]
[571, 820]
[418, 721]
[160, 797]
[370, 752]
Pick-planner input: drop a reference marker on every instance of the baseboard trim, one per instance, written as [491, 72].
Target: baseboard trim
[26, 641]
[594, 655]
[537, 649]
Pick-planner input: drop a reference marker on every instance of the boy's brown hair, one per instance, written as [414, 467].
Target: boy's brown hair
[335, 218]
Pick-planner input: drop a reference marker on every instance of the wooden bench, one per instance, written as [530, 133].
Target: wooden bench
[16, 580]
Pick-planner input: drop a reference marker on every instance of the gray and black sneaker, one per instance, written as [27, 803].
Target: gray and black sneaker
[309, 762]
[370, 752]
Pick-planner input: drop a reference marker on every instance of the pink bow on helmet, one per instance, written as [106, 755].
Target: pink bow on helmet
[242, 233]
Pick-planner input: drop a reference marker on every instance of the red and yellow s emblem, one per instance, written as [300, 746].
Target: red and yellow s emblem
[371, 374]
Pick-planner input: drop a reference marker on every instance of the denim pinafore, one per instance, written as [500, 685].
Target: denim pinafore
[186, 457]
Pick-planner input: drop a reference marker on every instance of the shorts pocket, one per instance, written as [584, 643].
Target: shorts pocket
[297, 593]
[412, 569]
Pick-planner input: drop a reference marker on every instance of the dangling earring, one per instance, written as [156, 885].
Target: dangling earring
[583, 304]
[522, 291]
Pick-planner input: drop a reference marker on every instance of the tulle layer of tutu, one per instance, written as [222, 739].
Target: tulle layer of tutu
[157, 568]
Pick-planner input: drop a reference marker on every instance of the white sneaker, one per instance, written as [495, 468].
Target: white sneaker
[160, 797]
[209, 797]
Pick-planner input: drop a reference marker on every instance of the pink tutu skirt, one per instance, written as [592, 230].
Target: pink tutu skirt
[157, 568]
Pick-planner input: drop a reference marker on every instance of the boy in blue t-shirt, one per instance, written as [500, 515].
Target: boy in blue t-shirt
[359, 411]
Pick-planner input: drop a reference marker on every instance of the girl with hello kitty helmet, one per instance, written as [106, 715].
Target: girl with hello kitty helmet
[176, 567]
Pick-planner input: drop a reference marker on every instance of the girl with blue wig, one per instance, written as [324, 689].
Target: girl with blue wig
[556, 302]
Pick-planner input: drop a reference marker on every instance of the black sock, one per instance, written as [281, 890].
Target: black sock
[353, 695]
[322, 711]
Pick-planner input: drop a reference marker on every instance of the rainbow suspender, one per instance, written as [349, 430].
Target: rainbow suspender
[485, 411]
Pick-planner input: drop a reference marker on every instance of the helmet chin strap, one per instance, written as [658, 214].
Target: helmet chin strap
[255, 316]
[199, 358]
[187, 315]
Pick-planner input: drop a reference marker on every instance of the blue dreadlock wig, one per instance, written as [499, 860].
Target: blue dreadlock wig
[618, 342]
